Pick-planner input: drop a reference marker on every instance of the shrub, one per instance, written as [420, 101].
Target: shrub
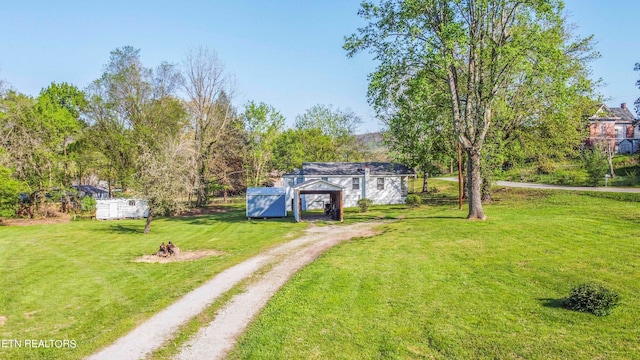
[88, 203]
[592, 298]
[545, 166]
[10, 190]
[413, 200]
[364, 204]
[595, 163]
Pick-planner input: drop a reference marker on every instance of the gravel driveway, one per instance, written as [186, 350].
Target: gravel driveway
[216, 339]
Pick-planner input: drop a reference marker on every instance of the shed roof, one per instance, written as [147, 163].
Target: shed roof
[352, 168]
[266, 191]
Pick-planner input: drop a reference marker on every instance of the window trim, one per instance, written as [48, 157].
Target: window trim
[355, 183]
[380, 183]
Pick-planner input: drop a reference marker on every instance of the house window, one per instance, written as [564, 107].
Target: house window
[291, 182]
[132, 203]
[355, 183]
[603, 130]
[325, 178]
[380, 183]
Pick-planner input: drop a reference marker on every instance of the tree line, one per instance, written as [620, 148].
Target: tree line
[170, 134]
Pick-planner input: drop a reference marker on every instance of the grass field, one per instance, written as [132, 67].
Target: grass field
[437, 286]
[77, 281]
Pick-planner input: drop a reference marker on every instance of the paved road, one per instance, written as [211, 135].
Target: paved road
[557, 187]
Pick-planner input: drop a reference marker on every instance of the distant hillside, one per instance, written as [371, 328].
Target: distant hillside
[375, 146]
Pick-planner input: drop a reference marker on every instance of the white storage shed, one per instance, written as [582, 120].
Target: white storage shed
[266, 202]
[121, 209]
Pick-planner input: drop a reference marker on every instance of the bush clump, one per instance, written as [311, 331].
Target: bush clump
[413, 200]
[89, 204]
[592, 298]
[364, 204]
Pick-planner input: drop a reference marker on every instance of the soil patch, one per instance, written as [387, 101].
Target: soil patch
[63, 218]
[184, 256]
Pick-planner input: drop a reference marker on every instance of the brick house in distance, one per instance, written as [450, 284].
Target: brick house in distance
[616, 127]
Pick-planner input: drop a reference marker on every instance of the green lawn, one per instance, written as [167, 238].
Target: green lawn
[77, 281]
[437, 286]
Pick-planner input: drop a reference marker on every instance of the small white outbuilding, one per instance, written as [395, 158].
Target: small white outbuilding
[266, 202]
[111, 209]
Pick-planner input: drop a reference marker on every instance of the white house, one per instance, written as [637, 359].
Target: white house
[381, 182]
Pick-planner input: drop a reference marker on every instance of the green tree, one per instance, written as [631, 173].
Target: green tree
[10, 190]
[35, 135]
[473, 50]
[58, 111]
[419, 134]
[321, 134]
[295, 146]
[136, 118]
[262, 125]
[594, 161]
[337, 124]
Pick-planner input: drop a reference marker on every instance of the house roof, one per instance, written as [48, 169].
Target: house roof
[90, 190]
[610, 113]
[351, 168]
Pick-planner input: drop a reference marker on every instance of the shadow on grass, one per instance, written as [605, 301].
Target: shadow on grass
[231, 216]
[552, 303]
[427, 217]
[126, 229]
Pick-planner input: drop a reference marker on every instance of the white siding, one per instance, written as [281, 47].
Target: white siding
[121, 209]
[392, 193]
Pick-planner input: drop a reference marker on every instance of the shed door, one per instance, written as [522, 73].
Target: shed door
[113, 210]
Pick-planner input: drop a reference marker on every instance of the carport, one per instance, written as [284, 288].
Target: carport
[318, 187]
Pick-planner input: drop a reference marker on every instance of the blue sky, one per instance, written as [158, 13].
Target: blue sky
[286, 53]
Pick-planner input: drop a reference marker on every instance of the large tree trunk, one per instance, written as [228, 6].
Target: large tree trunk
[425, 182]
[147, 225]
[475, 186]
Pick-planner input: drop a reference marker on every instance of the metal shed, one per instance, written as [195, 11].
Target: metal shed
[266, 202]
[121, 209]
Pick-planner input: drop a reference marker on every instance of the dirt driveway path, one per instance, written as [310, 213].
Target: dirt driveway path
[216, 339]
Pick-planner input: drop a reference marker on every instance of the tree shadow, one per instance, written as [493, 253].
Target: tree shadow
[230, 216]
[126, 229]
[552, 303]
